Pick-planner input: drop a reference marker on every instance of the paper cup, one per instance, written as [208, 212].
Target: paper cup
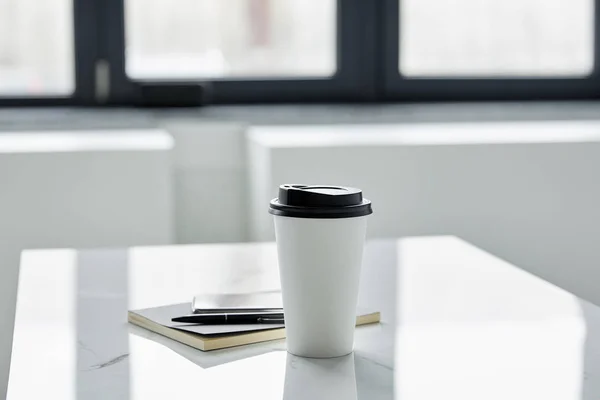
[320, 249]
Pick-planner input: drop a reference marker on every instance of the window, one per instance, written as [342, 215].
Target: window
[240, 50]
[36, 48]
[438, 50]
[496, 38]
[188, 52]
[236, 38]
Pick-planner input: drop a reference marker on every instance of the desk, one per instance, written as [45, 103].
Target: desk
[457, 323]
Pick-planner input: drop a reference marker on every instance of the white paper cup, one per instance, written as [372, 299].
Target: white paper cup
[319, 263]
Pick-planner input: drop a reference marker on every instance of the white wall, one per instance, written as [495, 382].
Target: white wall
[528, 192]
[213, 202]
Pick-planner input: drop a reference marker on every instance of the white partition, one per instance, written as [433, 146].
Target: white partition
[208, 180]
[78, 189]
[81, 189]
[526, 191]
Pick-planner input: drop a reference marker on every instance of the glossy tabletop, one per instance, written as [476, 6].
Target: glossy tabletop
[457, 323]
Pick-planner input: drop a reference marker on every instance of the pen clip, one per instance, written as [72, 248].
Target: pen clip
[270, 320]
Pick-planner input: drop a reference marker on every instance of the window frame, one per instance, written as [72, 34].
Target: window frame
[423, 89]
[352, 81]
[367, 37]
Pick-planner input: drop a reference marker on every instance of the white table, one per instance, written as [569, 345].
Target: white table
[457, 323]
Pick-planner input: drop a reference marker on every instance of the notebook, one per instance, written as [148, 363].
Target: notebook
[213, 337]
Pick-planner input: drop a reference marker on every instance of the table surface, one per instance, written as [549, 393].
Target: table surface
[457, 323]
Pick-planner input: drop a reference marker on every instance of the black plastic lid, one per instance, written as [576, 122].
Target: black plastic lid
[319, 201]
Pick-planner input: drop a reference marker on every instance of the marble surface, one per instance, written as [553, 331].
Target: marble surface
[457, 323]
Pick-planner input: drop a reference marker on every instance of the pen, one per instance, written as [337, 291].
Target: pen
[232, 318]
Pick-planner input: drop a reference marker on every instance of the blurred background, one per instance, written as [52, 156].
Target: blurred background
[201, 39]
[138, 122]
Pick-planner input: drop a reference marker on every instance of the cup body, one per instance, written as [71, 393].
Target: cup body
[319, 263]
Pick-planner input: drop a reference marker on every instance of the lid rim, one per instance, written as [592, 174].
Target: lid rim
[357, 210]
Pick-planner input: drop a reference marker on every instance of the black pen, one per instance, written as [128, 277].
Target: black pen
[232, 318]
